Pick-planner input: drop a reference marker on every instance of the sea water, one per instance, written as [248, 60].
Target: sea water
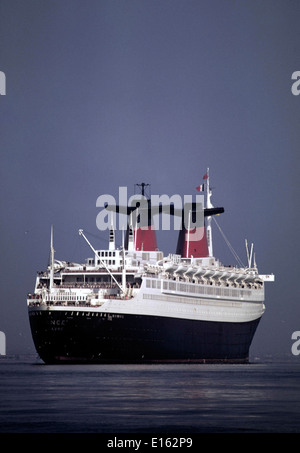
[252, 398]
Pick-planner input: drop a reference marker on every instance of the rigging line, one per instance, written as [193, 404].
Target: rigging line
[98, 237]
[229, 245]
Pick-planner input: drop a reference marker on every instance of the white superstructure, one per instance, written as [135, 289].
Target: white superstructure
[149, 283]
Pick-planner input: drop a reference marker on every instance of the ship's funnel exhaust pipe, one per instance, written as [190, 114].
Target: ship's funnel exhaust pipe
[193, 240]
[192, 243]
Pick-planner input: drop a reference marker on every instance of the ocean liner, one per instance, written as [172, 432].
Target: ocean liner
[134, 305]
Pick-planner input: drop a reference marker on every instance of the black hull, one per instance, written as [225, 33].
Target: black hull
[89, 337]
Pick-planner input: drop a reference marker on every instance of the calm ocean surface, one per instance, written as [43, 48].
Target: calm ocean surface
[254, 398]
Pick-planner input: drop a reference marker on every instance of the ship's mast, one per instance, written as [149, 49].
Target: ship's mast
[51, 260]
[209, 206]
[124, 265]
[112, 243]
[131, 239]
[142, 187]
[188, 242]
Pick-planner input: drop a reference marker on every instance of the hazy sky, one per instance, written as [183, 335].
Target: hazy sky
[109, 93]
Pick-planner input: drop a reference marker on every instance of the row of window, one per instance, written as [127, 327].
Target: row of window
[109, 262]
[91, 262]
[64, 297]
[106, 253]
[198, 289]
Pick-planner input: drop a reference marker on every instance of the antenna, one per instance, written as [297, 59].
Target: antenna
[254, 262]
[249, 255]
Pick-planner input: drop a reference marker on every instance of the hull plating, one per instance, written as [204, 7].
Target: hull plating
[86, 337]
